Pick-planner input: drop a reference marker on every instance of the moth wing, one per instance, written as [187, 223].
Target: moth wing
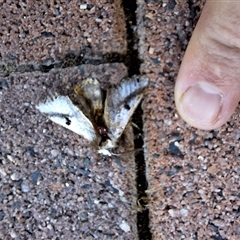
[62, 111]
[91, 90]
[120, 104]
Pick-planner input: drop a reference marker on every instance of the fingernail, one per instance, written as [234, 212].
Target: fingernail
[201, 103]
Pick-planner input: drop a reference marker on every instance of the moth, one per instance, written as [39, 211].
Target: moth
[99, 116]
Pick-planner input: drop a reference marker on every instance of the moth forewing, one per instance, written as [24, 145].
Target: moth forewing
[91, 90]
[121, 118]
[62, 111]
[120, 104]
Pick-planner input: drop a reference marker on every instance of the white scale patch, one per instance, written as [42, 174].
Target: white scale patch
[99, 122]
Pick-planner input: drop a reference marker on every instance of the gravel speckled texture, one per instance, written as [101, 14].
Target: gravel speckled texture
[44, 32]
[193, 175]
[53, 185]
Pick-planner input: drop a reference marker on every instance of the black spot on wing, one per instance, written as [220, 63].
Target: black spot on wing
[126, 106]
[68, 121]
[65, 116]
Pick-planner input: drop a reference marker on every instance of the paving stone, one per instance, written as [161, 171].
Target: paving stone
[36, 32]
[193, 175]
[74, 193]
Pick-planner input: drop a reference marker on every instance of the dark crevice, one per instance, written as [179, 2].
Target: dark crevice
[133, 62]
[132, 59]
[70, 60]
[142, 184]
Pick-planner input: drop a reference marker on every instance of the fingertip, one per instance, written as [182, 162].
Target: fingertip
[204, 105]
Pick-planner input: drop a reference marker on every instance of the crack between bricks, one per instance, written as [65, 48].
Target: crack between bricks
[133, 63]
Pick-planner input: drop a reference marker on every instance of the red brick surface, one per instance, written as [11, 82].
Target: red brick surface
[53, 185]
[37, 31]
[193, 175]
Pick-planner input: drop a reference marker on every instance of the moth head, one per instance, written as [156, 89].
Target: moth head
[102, 131]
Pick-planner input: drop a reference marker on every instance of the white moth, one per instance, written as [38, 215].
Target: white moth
[99, 120]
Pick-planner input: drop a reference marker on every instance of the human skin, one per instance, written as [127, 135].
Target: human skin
[207, 88]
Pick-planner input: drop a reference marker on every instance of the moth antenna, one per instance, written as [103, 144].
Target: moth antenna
[135, 126]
